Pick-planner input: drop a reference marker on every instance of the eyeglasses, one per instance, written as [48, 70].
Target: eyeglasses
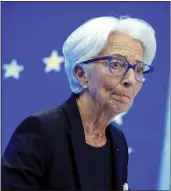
[119, 66]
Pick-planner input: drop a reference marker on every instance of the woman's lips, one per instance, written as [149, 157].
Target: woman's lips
[122, 95]
[122, 98]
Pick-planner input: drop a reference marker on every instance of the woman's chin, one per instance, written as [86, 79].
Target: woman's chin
[118, 107]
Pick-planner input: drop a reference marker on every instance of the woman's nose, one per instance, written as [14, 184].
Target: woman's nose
[129, 78]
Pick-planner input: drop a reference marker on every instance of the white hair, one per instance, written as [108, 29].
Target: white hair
[89, 39]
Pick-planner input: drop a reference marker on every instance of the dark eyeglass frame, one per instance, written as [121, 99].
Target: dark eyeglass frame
[109, 58]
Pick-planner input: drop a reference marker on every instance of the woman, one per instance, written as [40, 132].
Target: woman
[76, 146]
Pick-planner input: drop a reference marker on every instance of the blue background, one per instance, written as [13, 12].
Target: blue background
[32, 30]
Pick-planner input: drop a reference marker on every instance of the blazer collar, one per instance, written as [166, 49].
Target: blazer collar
[77, 138]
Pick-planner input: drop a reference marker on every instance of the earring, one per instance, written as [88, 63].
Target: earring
[85, 86]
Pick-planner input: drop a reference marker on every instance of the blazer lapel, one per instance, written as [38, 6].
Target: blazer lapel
[116, 159]
[78, 145]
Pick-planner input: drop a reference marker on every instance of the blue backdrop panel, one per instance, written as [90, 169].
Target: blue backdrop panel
[31, 31]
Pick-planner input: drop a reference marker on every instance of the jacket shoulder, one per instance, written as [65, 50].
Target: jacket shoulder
[48, 122]
[50, 114]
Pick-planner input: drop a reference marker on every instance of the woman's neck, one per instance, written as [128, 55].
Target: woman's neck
[94, 117]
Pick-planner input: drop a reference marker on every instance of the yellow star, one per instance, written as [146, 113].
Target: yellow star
[53, 62]
[12, 69]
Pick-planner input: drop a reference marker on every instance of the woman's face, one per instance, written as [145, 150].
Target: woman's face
[104, 87]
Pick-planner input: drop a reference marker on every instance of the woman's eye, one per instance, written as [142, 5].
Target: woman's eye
[140, 70]
[116, 64]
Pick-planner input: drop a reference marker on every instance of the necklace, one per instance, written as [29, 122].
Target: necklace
[95, 143]
[93, 135]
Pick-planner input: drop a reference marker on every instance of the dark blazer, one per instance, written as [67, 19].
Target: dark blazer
[46, 151]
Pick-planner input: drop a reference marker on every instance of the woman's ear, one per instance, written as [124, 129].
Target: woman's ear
[81, 75]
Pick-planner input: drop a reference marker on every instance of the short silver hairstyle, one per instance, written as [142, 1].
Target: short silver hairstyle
[89, 39]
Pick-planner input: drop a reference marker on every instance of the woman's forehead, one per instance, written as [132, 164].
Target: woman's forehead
[123, 45]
